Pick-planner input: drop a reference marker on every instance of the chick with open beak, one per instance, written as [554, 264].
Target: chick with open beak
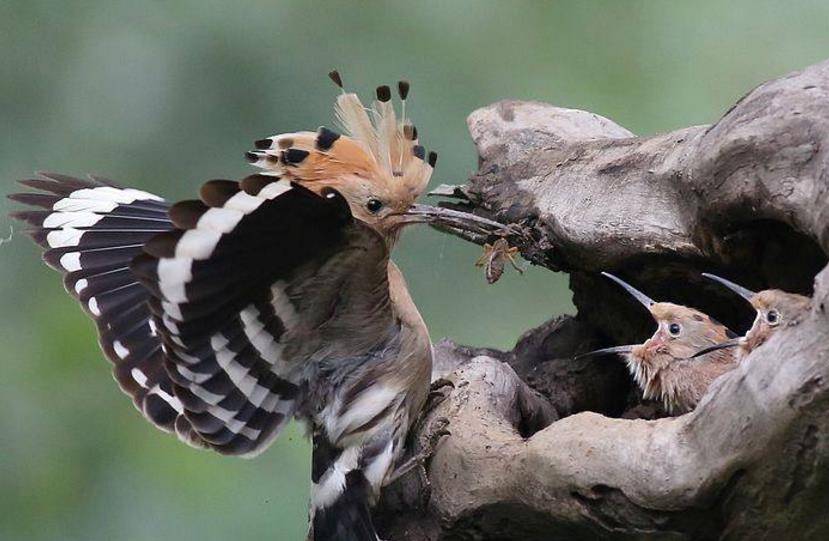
[775, 309]
[661, 365]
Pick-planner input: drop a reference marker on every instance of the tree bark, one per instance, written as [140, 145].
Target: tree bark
[544, 447]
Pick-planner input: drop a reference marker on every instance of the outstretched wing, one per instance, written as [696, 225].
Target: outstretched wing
[91, 229]
[258, 283]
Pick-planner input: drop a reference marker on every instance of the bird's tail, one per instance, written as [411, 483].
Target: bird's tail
[342, 494]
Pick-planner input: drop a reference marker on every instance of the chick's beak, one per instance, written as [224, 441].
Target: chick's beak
[618, 350]
[426, 214]
[646, 301]
[745, 293]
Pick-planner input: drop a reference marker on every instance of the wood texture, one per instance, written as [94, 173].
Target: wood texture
[539, 448]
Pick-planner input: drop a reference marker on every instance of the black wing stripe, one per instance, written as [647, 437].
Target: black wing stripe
[242, 368]
[125, 320]
[101, 282]
[88, 239]
[72, 259]
[112, 302]
[64, 185]
[75, 282]
[161, 405]
[123, 348]
[137, 370]
[157, 406]
[85, 221]
[126, 342]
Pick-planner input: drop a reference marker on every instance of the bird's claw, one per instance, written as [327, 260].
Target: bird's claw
[426, 451]
[440, 390]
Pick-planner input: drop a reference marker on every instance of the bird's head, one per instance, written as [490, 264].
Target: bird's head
[377, 165]
[680, 332]
[775, 308]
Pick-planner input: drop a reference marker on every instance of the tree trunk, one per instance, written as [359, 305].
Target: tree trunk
[544, 447]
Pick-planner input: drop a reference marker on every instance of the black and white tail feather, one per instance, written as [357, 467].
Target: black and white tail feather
[342, 496]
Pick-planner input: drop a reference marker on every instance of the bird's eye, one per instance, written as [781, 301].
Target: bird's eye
[374, 205]
[674, 329]
[772, 317]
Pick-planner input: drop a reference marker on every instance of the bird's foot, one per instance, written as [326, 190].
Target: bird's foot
[436, 432]
[439, 391]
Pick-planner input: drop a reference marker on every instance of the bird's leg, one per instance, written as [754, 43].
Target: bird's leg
[418, 460]
[437, 394]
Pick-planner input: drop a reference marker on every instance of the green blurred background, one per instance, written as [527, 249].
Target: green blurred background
[164, 95]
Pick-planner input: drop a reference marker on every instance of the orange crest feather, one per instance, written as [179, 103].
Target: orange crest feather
[377, 147]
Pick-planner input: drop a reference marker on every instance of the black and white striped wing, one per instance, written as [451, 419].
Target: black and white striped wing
[91, 230]
[258, 277]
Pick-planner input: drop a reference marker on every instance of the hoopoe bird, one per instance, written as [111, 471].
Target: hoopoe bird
[774, 308]
[661, 366]
[266, 299]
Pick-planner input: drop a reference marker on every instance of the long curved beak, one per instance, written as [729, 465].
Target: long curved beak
[452, 218]
[745, 293]
[734, 342]
[638, 295]
[606, 351]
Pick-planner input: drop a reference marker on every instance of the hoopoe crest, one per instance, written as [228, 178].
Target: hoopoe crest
[379, 165]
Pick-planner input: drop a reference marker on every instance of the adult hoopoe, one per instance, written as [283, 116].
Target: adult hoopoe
[269, 298]
[661, 366]
[774, 308]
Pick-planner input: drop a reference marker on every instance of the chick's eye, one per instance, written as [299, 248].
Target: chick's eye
[773, 317]
[374, 205]
[674, 329]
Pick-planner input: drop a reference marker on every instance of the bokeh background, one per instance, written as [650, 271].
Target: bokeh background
[164, 95]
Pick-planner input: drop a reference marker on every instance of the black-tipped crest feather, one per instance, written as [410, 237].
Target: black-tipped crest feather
[334, 75]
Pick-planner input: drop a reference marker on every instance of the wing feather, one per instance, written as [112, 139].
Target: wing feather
[91, 229]
[236, 309]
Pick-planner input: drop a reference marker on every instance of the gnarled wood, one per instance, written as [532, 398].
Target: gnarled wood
[747, 197]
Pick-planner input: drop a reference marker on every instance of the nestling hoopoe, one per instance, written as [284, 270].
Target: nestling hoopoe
[661, 365]
[266, 299]
[774, 308]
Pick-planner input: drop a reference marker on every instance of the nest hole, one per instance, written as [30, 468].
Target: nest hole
[760, 254]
